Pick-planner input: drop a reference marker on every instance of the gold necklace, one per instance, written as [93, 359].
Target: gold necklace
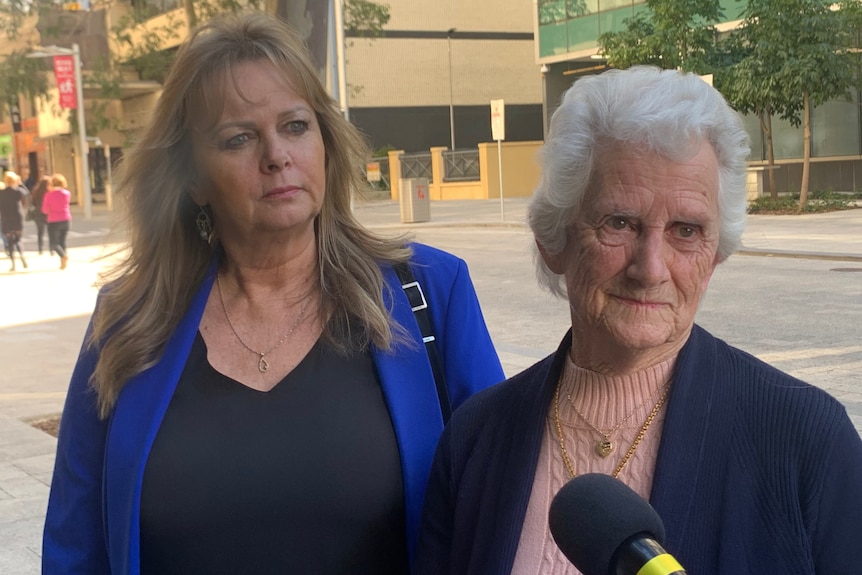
[567, 461]
[262, 363]
[605, 446]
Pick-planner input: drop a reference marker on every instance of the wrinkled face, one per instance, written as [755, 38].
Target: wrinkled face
[640, 255]
[262, 166]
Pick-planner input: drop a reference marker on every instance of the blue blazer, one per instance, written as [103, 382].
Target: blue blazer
[757, 472]
[93, 520]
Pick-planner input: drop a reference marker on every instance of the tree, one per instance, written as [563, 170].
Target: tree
[668, 33]
[795, 54]
[144, 44]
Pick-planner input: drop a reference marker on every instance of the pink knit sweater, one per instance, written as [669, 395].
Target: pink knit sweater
[604, 401]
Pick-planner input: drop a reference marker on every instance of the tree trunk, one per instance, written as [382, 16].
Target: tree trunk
[191, 17]
[770, 154]
[806, 150]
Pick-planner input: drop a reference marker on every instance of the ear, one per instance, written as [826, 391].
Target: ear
[553, 261]
[197, 196]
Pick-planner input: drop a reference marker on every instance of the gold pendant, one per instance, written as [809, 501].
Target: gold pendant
[263, 365]
[604, 447]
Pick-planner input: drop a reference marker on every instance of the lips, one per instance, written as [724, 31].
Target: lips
[283, 191]
[639, 301]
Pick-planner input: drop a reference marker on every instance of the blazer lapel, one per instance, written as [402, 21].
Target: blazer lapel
[134, 424]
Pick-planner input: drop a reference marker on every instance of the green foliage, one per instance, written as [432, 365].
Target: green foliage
[22, 76]
[785, 49]
[382, 151]
[819, 201]
[142, 41]
[365, 18]
[669, 34]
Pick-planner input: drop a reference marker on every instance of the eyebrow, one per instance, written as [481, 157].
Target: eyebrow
[290, 112]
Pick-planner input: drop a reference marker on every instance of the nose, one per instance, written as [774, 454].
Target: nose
[648, 263]
[276, 155]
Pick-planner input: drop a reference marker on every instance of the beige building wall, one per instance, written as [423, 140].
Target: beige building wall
[466, 15]
[415, 72]
[393, 72]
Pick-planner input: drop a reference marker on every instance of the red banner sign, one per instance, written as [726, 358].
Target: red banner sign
[64, 72]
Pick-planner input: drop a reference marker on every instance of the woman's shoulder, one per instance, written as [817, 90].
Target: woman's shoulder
[424, 254]
[760, 389]
[512, 395]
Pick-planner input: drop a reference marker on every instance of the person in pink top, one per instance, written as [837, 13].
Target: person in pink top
[55, 206]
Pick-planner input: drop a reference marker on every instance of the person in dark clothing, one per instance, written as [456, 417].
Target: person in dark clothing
[751, 470]
[254, 394]
[13, 201]
[38, 216]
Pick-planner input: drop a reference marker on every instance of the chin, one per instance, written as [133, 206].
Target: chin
[641, 338]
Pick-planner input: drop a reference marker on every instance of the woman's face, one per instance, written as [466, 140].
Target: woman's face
[262, 166]
[639, 256]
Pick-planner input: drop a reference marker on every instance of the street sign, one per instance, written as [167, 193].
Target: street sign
[498, 120]
[372, 171]
[64, 71]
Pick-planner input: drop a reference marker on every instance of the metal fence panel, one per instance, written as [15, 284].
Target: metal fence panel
[461, 166]
[416, 166]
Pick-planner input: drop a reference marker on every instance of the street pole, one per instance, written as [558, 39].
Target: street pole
[81, 144]
[339, 56]
[451, 96]
[84, 162]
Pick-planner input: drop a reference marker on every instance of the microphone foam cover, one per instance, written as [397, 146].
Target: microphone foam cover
[593, 514]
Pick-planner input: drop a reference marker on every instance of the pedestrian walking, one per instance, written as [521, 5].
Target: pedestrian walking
[13, 201]
[55, 206]
[35, 209]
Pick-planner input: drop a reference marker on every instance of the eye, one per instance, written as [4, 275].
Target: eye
[296, 127]
[236, 141]
[618, 223]
[686, 231]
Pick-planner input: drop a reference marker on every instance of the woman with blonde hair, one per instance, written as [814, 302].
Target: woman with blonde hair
[55, 206]
[13, 202]
[254, 394]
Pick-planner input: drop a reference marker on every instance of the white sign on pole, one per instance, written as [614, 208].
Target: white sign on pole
[498, 120]
[498, 133]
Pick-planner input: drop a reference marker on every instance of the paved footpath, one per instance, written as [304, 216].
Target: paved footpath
[792, 296]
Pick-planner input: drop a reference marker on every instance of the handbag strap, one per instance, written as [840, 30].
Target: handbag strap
[419, 303]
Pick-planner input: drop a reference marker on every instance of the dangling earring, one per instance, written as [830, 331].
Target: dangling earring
[204, 225]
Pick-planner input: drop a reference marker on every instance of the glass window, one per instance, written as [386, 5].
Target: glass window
[583, 32]
[578, 8]
[553, 39]
[551, 11]
[786, 140]
[835, 129]
[752, 126]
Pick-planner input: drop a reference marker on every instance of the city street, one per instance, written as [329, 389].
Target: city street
[792, 299]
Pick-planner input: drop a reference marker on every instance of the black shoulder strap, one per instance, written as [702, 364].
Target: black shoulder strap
[419, 303]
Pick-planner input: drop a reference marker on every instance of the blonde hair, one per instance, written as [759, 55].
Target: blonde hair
[152, 288]
[59, 181]
[10, 179]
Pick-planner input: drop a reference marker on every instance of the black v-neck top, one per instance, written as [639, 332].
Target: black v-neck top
[305, 478]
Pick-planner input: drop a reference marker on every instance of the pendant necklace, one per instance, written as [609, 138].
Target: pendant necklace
[605, 446]
[262, 363]
[567, 461]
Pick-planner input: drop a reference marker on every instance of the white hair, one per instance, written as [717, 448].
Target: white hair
[663, 111]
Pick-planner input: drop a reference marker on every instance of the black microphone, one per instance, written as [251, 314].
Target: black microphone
[605, 528]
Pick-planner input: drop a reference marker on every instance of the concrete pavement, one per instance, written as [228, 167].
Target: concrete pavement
[45, 311]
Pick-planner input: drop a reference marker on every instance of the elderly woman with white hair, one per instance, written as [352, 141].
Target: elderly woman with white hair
[751, 470]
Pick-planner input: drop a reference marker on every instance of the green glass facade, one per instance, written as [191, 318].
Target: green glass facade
[573, 25]
[568, 26]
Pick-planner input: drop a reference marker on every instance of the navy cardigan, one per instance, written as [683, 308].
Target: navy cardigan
[93, 520]
[757, 472]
